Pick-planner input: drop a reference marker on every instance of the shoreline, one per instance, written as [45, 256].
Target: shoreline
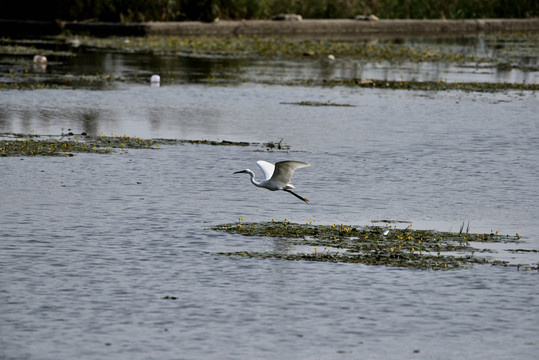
[338, 28]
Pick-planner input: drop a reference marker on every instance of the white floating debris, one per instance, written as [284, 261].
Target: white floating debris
[155, 80]
[40, 59]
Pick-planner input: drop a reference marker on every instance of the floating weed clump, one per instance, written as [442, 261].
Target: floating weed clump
[24, 79]
[268, 146]
[69, 144]
[316, 103]
[371, 245]
[439, 85]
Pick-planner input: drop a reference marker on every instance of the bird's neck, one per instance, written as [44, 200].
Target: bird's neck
[255, 183]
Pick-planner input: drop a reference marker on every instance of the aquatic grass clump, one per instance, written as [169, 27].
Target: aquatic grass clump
[316, 103]
[370, 245]
[268, 146]
[34, 145]
[440, 85]
[27, 79]
[68, 144]
[277, 47]
[47, 147]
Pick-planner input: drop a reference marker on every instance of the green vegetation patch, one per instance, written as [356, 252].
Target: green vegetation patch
[25, 80]
[67, 145]
[371, 245]
[35, 145]
[281, 48]
[440, 85]
[508, 50]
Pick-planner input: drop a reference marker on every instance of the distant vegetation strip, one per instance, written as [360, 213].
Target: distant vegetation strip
[208, 10]
[23, 73]
[522, 44]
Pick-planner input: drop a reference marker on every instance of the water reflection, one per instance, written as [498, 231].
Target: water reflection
[89, 121]
[165, 111]
[516, 62]
[175, 69]
[139, 67]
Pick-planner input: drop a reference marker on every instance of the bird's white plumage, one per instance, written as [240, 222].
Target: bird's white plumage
[278, 176]
[267, 168]
[284, 170]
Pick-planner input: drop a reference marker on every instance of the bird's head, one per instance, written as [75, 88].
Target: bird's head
[246, 171]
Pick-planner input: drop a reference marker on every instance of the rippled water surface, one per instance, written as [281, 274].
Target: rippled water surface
[91, 245]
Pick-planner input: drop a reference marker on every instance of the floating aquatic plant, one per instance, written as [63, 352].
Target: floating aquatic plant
[316, 103]
[68, 144]
[439, 85]
[372, 245]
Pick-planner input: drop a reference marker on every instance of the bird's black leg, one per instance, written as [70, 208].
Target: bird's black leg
[296, 195]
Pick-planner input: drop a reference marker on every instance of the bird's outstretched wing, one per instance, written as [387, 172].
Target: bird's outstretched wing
[267, 168]
[285, 169]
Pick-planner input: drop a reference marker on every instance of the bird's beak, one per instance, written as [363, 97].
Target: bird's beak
[239, 172]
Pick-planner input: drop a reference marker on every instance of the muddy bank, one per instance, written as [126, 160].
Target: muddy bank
[305, 28]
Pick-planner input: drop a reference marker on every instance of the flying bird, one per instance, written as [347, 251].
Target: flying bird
[277, 177]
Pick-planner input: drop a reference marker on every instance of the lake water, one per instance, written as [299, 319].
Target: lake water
[91, 244]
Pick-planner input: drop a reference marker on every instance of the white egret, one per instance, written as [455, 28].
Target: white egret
[277, 177]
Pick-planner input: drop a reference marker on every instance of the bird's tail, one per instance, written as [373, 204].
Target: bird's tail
[298, 196]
